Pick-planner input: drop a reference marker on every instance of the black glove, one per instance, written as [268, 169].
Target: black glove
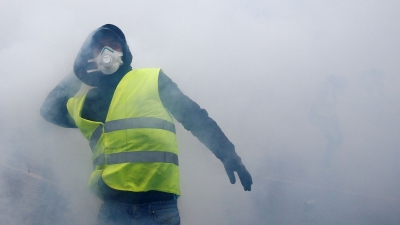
[233, 164]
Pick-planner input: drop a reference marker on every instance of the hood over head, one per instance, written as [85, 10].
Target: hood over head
[98, 79]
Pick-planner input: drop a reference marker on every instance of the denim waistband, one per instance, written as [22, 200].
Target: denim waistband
[142, 207]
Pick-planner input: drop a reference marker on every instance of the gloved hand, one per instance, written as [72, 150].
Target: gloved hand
[233, 164]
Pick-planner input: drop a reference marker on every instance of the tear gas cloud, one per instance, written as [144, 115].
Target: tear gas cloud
[307, 91]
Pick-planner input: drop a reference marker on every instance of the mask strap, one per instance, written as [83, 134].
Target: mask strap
[93, 70]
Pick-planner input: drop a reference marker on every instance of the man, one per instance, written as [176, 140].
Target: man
[127, 119]
[323, 115]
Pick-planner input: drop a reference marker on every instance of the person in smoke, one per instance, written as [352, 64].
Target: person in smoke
[323, 115]
[127, 120]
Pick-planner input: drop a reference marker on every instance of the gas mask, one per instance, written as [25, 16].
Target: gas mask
[108, 61]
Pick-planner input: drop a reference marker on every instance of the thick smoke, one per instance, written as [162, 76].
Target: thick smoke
[306, 90]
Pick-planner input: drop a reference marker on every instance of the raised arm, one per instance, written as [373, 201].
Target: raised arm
[196, 120]
[54, 108]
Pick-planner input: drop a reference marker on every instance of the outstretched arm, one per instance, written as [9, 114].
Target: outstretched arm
[54, 108]
[196, 120]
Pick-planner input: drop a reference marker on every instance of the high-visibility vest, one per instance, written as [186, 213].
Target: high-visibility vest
[136, 148]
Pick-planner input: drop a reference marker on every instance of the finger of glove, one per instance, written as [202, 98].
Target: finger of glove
[245, 178]
[231, 175]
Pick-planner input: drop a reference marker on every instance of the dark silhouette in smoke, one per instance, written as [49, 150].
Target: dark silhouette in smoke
[323, 115]
[29, 192]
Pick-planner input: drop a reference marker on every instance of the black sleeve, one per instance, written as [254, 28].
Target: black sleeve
[193, 118]
[54, 108]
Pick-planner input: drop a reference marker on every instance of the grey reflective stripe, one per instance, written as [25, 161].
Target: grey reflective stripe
[95, 137]
[140, 122]
[133, 157]
[99, 160]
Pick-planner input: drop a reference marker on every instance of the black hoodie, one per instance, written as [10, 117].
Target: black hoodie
[98, 79]
[184, 110]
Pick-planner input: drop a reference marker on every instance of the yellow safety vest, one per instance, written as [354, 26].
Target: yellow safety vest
[136, 148]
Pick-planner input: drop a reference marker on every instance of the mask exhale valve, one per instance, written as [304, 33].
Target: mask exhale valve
[108, 61]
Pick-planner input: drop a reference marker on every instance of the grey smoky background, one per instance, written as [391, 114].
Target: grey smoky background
[306, 90]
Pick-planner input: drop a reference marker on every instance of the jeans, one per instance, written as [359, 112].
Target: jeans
[155, 213]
